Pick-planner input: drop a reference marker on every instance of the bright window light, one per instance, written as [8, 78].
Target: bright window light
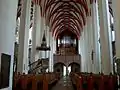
[113, 35]
[69, 69]
[64, 72]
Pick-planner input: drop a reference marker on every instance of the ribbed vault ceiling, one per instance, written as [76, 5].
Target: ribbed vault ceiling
[61, 15]
[64, 15]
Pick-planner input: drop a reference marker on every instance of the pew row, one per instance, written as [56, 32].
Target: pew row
[94, 81]
[35, 82]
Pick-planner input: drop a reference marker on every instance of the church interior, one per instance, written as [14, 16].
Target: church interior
[59, 45]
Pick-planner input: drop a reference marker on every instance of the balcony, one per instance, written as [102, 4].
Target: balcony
[67, 59]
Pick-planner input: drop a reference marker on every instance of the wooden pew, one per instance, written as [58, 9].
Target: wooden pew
[77, 81]
[16, 81]
[94, 81]
[35, 82]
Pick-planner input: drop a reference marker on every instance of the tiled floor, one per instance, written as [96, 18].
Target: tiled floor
[64, 84]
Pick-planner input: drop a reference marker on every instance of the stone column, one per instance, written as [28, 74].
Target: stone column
[22, 64]
[82, 51]
[36, 34]
[51, 53]
[105, 40]
[54, 45]
[47, 40]
[8, 12]
[89, 42]
[86, 48]
[95, 31]
[116, 13]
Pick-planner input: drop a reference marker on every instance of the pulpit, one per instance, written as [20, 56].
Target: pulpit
[41, 64]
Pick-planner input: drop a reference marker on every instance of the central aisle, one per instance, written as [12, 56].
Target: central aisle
[64, 84]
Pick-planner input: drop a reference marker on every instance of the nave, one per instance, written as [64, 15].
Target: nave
[74, 81]
[64, 83]
[39, 39]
